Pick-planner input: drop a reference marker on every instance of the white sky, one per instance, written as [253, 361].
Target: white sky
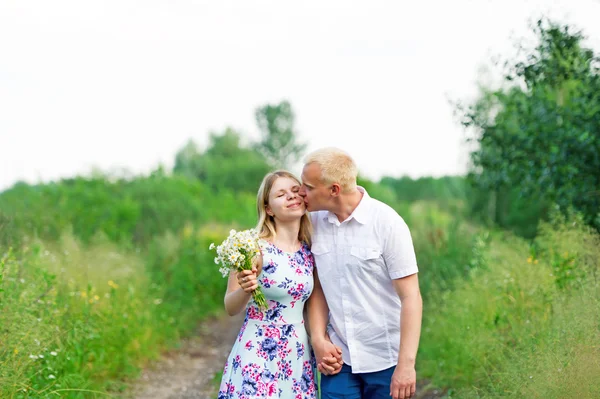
[118, 84]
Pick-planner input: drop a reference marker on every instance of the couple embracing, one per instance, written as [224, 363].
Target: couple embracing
[339, 272]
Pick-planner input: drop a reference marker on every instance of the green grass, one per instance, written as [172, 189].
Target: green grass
[525, 324]
[81, 320]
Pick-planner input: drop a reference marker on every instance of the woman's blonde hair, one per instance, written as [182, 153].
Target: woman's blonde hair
[336, 167]
[266, 222]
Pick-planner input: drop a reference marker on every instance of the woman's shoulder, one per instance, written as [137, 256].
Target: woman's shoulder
[305, 247]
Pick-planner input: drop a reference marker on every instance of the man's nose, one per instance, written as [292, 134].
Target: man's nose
[301, 192]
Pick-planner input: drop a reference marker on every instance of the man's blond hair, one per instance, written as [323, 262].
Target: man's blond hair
[336, 167]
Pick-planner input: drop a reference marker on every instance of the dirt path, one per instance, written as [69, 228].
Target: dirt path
[188, 373]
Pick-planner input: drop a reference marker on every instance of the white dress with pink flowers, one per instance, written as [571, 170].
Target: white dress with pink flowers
[272, 357]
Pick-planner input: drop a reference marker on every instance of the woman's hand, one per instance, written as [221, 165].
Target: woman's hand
[248, 280]
[328, 355]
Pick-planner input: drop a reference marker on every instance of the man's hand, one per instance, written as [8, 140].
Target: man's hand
[404, 382]
[329, 356]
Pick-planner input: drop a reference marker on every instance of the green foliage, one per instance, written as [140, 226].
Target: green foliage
[539, 138]
[130, 212]
[514, 328]
[279, 143]
[507, 208]
[68, 327]
[446, 246]
[427, 188]
[79, 319]
[449, 192]
[377, 191]
[229, 164]
[191, 286]
[496, 307]
[225, 165]
[9, 237]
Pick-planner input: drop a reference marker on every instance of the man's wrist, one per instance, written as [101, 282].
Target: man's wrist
[407, 361]
[317, 338]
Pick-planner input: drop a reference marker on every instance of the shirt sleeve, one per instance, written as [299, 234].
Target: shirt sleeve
[398, 250]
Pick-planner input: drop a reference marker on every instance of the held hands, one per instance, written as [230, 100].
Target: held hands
[329, 356]
[247, 279]
[404, 382]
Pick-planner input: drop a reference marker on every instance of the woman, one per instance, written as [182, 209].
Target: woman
[272, 356]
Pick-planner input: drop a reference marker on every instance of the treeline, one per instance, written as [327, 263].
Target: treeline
[132, 211]
[127, 212]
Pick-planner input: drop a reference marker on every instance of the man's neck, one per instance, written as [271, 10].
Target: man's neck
[347, 204]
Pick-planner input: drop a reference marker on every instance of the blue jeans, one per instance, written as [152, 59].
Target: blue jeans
[346, 385]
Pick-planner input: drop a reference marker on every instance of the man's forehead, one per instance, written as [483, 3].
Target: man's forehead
[312, 169]
[311, 173]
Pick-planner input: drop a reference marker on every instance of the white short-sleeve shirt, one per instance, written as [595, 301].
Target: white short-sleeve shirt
[356, 261]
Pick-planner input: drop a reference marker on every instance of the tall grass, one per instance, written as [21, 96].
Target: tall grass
[524, 324]
[73, 318]
[80, 320]
[446, 245]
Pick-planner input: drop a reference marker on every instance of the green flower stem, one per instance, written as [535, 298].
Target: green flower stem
[257, 294]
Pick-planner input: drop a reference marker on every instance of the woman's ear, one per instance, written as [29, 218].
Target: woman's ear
[269, 211]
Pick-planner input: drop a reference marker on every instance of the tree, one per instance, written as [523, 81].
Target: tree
[226, 163]
[279, 143]
[539, 137]
[188, 161]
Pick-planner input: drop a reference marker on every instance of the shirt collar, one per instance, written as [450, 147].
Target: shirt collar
[360, 213]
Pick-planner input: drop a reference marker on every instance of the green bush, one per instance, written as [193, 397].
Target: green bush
[129, 212]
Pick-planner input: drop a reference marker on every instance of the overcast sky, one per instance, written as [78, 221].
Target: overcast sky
[124, 84]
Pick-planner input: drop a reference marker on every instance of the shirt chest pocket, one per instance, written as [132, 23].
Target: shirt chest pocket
[368, 259]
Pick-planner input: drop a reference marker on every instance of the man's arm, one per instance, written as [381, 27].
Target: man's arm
[329, 356]
[404, 379]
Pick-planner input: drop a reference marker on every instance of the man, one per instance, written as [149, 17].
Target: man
[367, 299]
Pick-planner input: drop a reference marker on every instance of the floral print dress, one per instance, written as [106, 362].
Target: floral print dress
[271, 357]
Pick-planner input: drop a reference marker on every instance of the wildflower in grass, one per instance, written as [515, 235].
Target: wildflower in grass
[51, 377]
[53, 353]
[236, 253]
[112, 284]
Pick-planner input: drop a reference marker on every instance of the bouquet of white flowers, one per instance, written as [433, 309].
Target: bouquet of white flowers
[236, 254]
